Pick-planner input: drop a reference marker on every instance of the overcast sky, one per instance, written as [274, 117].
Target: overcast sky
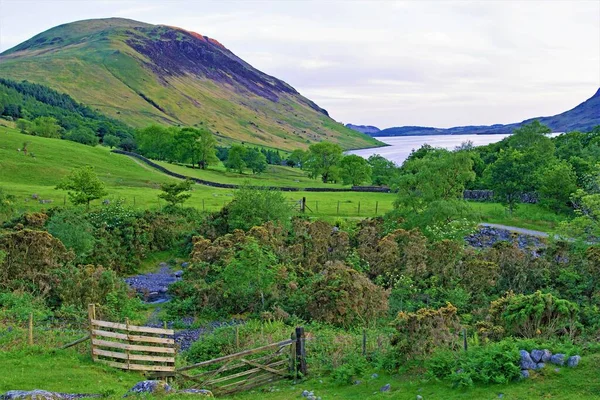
[383, 63]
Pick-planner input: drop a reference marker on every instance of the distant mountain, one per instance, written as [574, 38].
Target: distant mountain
[141, 74]
[368, 129]
[581, 118]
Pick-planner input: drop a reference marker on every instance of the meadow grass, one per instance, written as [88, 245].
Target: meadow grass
[138, 185]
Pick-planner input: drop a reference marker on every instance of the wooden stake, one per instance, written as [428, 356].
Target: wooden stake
[338, 208]
[359, 208]
[92, 316]
[364, 343]
[237, 337]
[300, 352]
[376, 206]
[31, 329]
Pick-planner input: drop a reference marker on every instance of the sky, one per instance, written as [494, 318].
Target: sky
[383, 63]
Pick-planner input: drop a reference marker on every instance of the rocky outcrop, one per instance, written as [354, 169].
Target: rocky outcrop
[43, 395]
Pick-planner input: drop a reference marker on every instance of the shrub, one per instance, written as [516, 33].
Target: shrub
[72, 228]
[252, 207]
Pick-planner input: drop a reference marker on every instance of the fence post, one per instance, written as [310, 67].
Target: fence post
[364, 343]
[376, 206]
[293, 355]
[92, 316]
[203, 205]
[300, 352]
[31, 329]
[317, 206]
[465, 345]
[128, 341]
[134, 201]
[359, 208]
[338, 208]
[237, 337]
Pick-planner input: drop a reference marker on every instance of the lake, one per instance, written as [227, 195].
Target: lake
[400, 146]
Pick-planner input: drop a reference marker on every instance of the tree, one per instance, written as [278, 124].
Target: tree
[506, 178]
[83, 186]
[111, 141]
[296, 158]
[176, 193]
[354, 170]
[156, 142]
[82, 135]
[383, 171]
[196, 146]
[23, 125]
[235, 158]
[207, 151]
[323, 159]
[255, 160]
[45, 127]
[253, 207]
[556, 184]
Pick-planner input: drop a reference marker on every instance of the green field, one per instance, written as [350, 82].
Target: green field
[137, 184]
[70, 372]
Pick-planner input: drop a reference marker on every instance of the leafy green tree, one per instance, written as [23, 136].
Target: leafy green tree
[207, 149]
[156, 142]
[82, 135]
[557, 183]
[586, 225]
[45, 127]
[506, 178]
[323, 160]
[354, 170]
[253, 207]
[196, 146]
[23, 125]
[83, 186]
[111, 141]
[383, 171]
[235, 158]
[255, 160]
[72, 228]
[296, 158]
[176, 193]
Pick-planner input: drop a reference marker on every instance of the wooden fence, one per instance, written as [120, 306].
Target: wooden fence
[250, 368]
[131, 347]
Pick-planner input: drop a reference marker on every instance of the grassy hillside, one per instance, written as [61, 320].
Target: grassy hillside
[142, 74]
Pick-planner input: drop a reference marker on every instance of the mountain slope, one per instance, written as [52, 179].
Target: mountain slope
[581, 118]
[141, 74]
[368, 129]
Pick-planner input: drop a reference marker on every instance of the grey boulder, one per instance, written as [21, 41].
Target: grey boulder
[573, 361]
[558, 359]
[536, 355]
[540, 365]
[154, 387]
[385, 388]
[524, 374]
[526, 361]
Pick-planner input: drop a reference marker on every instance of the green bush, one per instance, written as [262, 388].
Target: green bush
[16, 306]
[353, 367]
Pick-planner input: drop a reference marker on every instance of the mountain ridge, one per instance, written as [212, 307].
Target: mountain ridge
[141, 73]
[584, 117]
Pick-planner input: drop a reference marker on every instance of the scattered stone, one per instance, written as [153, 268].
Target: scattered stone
[43, 395]
[357, 382]
[536, 355]
[546, 356]
[500, 395]
[185, 264]
[163, 265]
[385, 388]
[35, 196]
[45, 201]
[154, 387]
[558, 359]
[573, 361]
[540, 365]
[524, 374]
[178, 274]
[419, 397]
[153, 287]
[526, 361]
[305, 393]
[556, 369]
[106, 202]
[200, 392]
[374, 376]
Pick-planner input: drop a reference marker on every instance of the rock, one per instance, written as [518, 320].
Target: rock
[524, 374]
[385, 388]
[540, 365]
[163, 290]
[558, 359]
[374, 376]
[199, 392]
[163, 265]
[35, 196]
[500, 395]
[178, 274]
[419, 397]
[185, 264]
[357, 382]
[556, 369]
[536, 355]
[573, 361]
[526, 361]
[154, 387]
[42, 395]
[546, 356]
[106, 202]
[305, 393]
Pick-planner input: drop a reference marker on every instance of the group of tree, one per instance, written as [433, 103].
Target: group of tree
[41, 111]
[240, 158]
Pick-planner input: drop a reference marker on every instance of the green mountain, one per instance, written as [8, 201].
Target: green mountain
[142, 74]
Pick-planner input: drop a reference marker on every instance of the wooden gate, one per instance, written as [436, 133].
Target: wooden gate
[131, 347]
[250, 368]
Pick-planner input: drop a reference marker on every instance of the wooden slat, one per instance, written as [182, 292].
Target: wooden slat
[132, 347]
[108, 334]
[267, 357]
[113, 354]
[150, 339]
[137, 367]
[132, 328]
[134, 357]
[244, 384]
[250, 385]
[263, 367]
[237, 355]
